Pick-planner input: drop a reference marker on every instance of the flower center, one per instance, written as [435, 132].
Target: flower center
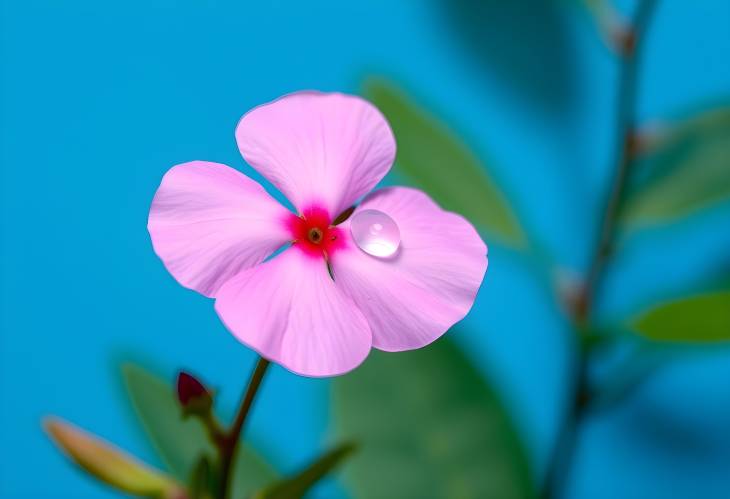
[313, 233]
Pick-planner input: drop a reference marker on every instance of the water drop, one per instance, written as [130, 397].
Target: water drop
[375, 233]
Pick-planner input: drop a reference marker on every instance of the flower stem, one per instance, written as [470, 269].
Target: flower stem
[228, 445]
[561, 462]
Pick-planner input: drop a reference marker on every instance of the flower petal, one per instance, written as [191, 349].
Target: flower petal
[208, 222]
[290, 311]
[325, 148]
[431, 282]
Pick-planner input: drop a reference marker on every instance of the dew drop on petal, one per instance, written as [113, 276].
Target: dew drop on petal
[375, 233]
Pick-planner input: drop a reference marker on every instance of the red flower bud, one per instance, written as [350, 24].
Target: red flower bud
[189, 389]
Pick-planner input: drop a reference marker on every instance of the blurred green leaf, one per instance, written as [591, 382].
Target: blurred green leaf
[689, 168]
[202, 480]
[108, 464]
[182, 442]
[428, 426]
[640, 365]
[434, 159]
[700, 318]
[613, 28]
[298, 485]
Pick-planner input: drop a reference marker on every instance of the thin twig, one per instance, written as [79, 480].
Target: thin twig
[625, 126]
[561, 461]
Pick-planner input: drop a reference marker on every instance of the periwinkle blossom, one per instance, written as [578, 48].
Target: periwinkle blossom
[319, 306]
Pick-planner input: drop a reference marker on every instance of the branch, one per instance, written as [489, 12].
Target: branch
[561, 461]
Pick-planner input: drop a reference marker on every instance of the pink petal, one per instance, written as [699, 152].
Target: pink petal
[430, 283]
[208, 222]
[318, 148]
[289, 310]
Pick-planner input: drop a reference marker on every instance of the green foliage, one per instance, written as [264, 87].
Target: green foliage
[182, 442]
[434, 159]
[687, 171]
[428, 426]
[703, 318]
[645, 358]
[108, 464]
[296, 486]
[202, 480]
[611, 25]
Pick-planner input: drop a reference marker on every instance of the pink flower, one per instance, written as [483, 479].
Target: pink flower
[214, 229]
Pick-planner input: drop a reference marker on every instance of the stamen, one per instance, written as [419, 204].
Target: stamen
[315, 235]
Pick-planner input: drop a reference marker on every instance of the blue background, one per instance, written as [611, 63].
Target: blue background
[99, 99]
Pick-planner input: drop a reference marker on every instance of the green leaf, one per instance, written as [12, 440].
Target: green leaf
[627, 378]
[688, 169]
[182, 442]
[298, 485]
[702, 318]
[108, 464]
[612, 26]
[428, 425]
[434, 159]
[203, 480]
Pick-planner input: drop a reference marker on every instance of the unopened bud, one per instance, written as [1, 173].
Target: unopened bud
[193, 396]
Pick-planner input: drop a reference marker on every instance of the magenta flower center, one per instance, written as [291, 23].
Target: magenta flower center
[313, 232]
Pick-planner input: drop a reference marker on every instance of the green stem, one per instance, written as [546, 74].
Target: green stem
[561, 462]
[216, 434]
[228, 445]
